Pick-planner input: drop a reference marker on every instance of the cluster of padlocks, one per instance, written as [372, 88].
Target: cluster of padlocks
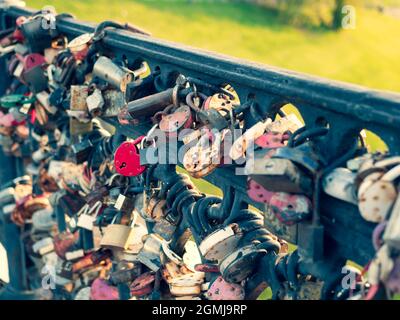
[106, 216]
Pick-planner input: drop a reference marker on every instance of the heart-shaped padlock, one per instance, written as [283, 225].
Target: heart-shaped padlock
[181, 118]
[127, 158]
[100, 290]
[257, 192]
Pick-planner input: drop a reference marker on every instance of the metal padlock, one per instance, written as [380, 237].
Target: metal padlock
[43, 99]
[290, 208]
[38, 38]
[223, 290]
[127, 158]
[79, 95]
[118, 235]
[391, 235]
[143, 285]
[87, 216]
[150, 255]
[36, 79]
[124, 204]
[108, 71]
[95, 101]
[179, 119]
[79, 46]
[220, 243]
[32, 60]
[376, 198]
[278, 175]
[82, 150]
[239, 264]
[340, 184]
[240, 146]
[205, 156]
[257, 192]
[43, 246]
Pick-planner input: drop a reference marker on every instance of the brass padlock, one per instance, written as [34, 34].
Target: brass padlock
[118, 235]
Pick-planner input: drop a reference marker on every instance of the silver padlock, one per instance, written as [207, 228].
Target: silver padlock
[87, 216]
[340, 184]
[391, 235]
[95, 101]
[150, 254]
[108, 71]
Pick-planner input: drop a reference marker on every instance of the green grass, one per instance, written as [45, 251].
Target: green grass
[367, 55]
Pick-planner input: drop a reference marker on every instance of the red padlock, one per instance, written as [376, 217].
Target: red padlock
[272, 140]
[101, 290]
[127, 158]
[32, 60]
[143, 284]
[257, 192]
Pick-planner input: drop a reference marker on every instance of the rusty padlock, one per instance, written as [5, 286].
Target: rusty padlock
[181, 118]
[377, 196]
[220, 242]
[257, 192]
[127, 158]
[143, 285]
[223, 290]
[79, 46]
[206, 155]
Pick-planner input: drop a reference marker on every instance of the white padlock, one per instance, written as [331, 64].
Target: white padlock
[340, 184]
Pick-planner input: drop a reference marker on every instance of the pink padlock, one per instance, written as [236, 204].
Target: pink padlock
[222, 290]
[290, 208]
[272, 140]
[257, 192]
[32, 60]
[100, 290]
[127, 159]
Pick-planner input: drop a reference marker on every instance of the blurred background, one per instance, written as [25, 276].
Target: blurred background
[301, 35]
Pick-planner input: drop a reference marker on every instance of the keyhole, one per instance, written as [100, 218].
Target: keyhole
[123, 165]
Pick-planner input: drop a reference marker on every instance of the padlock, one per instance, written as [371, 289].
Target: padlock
[87, 215]
[44, 246]
[179, 119]
[32, 60]
[340, 184]
[150, 254]
[127, 159]
[38, 38]
[223, 290]
[73, 255]
[108, 71]
[91, 259]
[124, 204]
[290, 208]
[205, 156]
[257, 192]
[101, 290]
[79, 46]
[143, 285]
[79, 95]
[118, 235]
[220, 243]
[191, 258]
[16, 101]
[238, 265]
[240, 146]
[82, 150]
[376, 198]
[95, 102]
[43, 99]
[278, 175]
[126, 272]
[35, 78]
[114, 101]
[391, 235]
